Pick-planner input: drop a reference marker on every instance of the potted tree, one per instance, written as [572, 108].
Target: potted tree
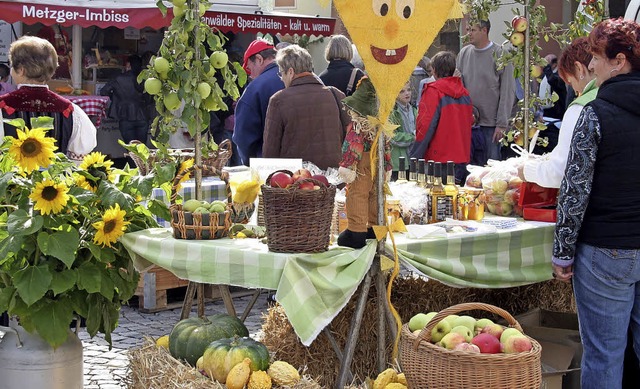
[59, 252]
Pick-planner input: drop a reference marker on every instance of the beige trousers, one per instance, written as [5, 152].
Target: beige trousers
[362, 200]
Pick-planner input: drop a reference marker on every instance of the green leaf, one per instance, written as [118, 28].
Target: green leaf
[10, 245]
[32, 282]
[89, 277]
[5, 180]
[60, 244]
[20, 223]
[242, 75]
[105, 256]
[111, 195]
[106, 287]
[63, 281]
[42, 122]
[52, 321]
[6, 295]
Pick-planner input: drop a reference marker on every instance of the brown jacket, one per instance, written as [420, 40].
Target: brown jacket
[306, 120]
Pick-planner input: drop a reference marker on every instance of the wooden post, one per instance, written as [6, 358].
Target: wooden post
[526, 77]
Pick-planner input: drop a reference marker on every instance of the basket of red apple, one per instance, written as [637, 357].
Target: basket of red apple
[447, 350]
[297, 211]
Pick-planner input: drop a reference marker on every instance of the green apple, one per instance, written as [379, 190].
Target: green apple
[178, 3]
[191, 205]
[466, 321]
[219, 59]
[464, 331]
[217, 208]
[507, 333]
[418, 321]
[430, 316]
[450, 319]
[517, 344]
[202, 9]
[178, 11]
[171, 101]
[452, 339]
[204, 89]
[439, 331]
[161, 65]
[153, 86]
[480, 324]
[201, 210]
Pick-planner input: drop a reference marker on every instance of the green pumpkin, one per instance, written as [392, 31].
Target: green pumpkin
[221, 355]
[190, 337]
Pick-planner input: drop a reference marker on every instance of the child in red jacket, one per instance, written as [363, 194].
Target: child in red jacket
[445, 117]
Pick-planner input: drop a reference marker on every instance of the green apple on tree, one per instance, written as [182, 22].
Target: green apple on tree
[219, 59]
[171, 101]
[204, 89]
[178, 3]
[153, 86]
[161, 65]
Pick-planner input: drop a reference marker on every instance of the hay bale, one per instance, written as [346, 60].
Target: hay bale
[410, 295]
[153, 367]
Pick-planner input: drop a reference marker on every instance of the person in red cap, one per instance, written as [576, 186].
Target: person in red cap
[251, 108]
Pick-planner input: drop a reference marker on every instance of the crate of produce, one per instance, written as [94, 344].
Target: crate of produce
[429, 365]
[298, 216]
[206, 221]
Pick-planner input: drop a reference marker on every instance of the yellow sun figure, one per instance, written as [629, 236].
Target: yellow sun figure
[185, 165]
[32, 149]
[392, 36]
[49, 196]
[111, 227]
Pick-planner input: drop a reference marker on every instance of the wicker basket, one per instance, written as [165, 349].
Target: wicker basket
[429, 366]
[298, 220]
[216, 159]
[188, 225]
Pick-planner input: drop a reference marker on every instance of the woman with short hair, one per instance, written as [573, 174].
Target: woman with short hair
[340, 73]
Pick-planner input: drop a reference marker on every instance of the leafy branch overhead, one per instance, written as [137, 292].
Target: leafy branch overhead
[192, 74]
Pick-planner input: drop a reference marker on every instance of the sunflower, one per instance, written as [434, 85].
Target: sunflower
[95, 164]
[49, 196]
[111, 227]
[184, 166]
[32, 149]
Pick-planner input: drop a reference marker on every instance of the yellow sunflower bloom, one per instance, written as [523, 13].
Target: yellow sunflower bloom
[32, 149]
[185, 165]
[49, 196]
[83, 183]
[111, 227]
[95, 164]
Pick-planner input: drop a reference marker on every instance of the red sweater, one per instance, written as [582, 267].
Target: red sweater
[443, 127]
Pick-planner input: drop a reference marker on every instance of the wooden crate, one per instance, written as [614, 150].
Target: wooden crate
[152, 289]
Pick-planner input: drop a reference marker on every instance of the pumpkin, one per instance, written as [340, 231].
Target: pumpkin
[221, 355]
[190, 337]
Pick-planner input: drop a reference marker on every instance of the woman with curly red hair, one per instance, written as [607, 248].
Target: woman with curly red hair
[597, 236]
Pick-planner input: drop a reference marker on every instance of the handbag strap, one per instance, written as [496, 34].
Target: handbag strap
[352, 79]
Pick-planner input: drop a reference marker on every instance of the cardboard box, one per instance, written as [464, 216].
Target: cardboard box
[558, 332]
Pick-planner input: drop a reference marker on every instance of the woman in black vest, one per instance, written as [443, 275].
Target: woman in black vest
[597, 237]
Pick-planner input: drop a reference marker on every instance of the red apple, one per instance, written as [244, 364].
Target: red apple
[321, 178]
[306, 185]
[494, 330]
[487, 343]
[281, 180]
[301, 173]
[517, 39]
[517, 344]
[519, 23]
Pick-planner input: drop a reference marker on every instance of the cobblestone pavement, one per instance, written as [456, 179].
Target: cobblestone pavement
[106, 369]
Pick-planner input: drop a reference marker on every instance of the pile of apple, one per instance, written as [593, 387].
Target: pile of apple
[465, 333]
[204, 207]
[307, 181]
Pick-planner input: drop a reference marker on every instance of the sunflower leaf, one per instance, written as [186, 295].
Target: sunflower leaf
[63, 281]
[52, 321]
[32, 282]
[89, 277]
[20, 223]
[60, 244]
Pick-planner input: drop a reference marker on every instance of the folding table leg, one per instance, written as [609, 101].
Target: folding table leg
[227, 299]
[188, 300]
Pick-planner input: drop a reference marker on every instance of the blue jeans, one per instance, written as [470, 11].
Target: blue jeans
[606, 284]
[133, 130]
[483, 147]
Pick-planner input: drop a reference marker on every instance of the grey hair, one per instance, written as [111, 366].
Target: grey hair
[294, 57]
[339, 47]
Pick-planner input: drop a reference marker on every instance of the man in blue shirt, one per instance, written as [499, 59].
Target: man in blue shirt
[251, 109]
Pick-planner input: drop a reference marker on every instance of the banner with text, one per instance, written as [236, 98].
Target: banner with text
[273, 24]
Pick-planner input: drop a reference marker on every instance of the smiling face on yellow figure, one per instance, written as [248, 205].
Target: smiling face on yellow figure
[391, 37]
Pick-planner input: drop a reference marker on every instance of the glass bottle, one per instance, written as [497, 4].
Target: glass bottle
[422, 180]
[451, 189]
[402, 174]
[440, 201]
[413, 162]
[428, 187]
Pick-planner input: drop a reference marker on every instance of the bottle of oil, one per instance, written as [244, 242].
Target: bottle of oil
[428, 186]
[451, 190]
[402, 174]
[413, 177]
[422, 177]
[440, 201]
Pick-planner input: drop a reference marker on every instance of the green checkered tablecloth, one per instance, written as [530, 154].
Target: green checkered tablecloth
[503, 259]
[213, 188]
[312, 288]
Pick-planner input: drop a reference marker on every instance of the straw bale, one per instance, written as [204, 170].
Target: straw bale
[410, 295]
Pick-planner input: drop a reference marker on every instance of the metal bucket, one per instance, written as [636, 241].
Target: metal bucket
[27, 361]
